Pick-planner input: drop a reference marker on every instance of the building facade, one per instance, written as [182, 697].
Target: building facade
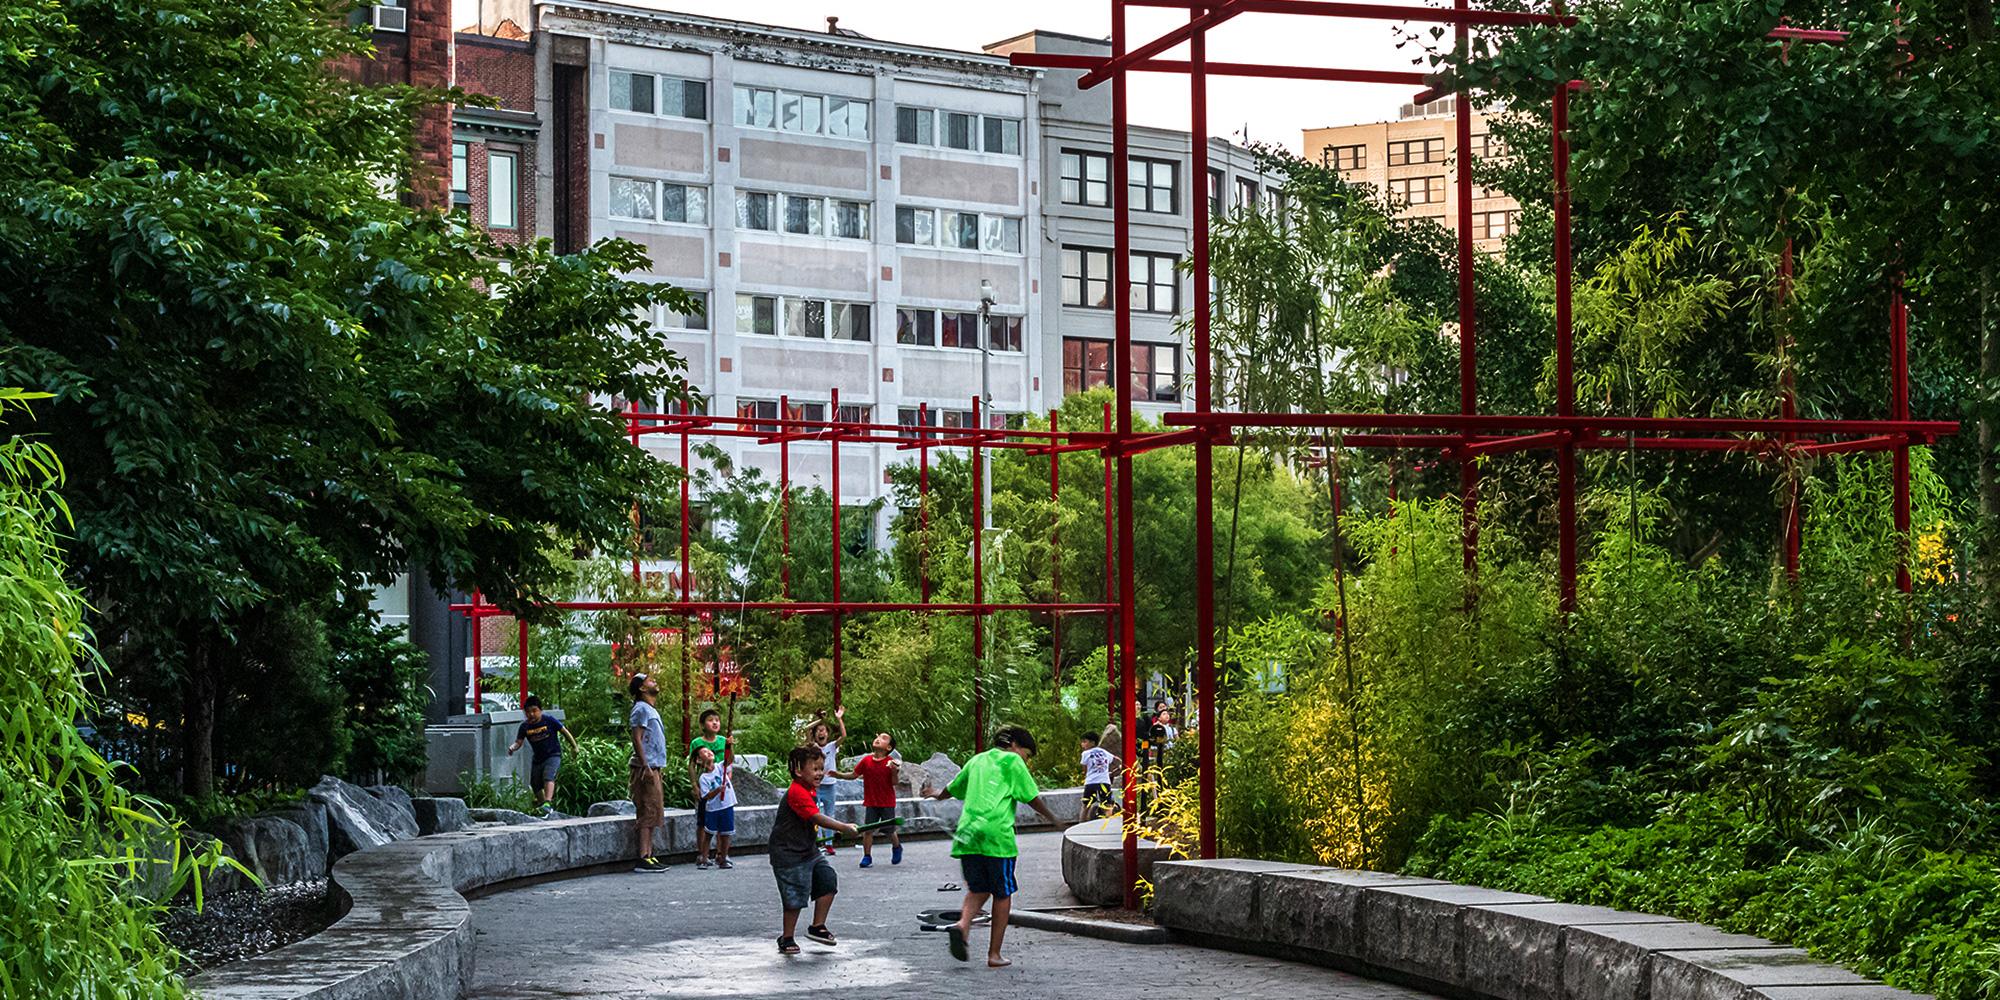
[1415, 161]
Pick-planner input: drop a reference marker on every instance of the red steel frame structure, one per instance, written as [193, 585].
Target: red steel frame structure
[1461, 437]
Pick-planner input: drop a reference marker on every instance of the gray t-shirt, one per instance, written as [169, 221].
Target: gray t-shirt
[654, 739]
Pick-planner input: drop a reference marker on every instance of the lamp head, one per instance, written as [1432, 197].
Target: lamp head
[986, 294]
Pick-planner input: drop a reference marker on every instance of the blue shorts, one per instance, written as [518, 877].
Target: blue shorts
[544, 769]
[802, 883]
[721, 822]
[993, 876]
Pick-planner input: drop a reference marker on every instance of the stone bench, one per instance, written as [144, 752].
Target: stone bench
[407, 932]
[1462, 940]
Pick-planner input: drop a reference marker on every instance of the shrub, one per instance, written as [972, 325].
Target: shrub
[596, 771]
[384, 681]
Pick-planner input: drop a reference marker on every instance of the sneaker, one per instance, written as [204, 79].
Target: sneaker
[650, 865]
[896, 854]
[787, 946]
[724, 863]
[829, 850]
[818, 932]
[547, 809]
[867, 862]
[703, 864]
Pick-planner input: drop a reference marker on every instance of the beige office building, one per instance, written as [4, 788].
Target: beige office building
[1414, 159]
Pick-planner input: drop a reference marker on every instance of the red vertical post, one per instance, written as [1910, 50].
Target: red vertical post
[632, 425]
[978, 588]
[687, 580]
[522, 641]
[1468, 371]
[478, 702]
[1788, 408]
[785, 498]
[1899, 409]
[1110, 575]
[1565, 380]
[923, 505]
[1121, 300]
[1055, 549]
[1204, 453]
[834, 491]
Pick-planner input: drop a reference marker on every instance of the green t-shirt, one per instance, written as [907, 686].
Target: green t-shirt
[990, 786]
[715, 744]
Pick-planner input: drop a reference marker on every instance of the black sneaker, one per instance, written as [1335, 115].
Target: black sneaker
[787, 946]
[650, 865]
[818, 932]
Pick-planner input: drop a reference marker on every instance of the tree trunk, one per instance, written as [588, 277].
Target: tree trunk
[1989, 475]
[198, 694]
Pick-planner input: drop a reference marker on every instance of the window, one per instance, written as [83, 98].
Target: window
[958, 329]
[632, 92]
[916, 226]
[999, 235]
[1154, 288]
[503, 207]
[1003, 333]
[759, 409]
[911, 416]
[961, 229]
[757, 314]
[1486, 146]
[1086, 178]
[805, 318]
[1155, 368]
[1215, 193]
[689, 406]
[856, 413]
[805, 216]
[810, 114]
[756, 210]
[1417, 190]
[796, 410]
[460, 170]
[1246, 193]
[1416, 151]
[847, 220]
[1086, 277]
[1344, 157]
[851, 321]
[657, 201]
[958, 130]
[1494, 225]
[672, 319]
[916, 326]
[1152, 185]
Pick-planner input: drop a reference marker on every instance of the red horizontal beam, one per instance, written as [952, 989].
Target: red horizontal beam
[485, 610]
[1580, 424]
[1509, 445]
[1042, 60]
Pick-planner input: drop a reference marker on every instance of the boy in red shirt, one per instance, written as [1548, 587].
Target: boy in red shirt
[804, 874]
[877, 772]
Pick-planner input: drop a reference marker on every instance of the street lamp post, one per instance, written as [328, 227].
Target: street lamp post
[985, 389]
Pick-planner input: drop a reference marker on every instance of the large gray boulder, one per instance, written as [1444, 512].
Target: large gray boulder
[277, 851]
[357, 820]
[391, 794]
[751, 788]
[440, 815]
[510, 817]
[309, 816]
[616, 807]
[936, 772]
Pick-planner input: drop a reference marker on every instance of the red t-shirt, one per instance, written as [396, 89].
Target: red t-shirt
[802, 801]
[878, 782]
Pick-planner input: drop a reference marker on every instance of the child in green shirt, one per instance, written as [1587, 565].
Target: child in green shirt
[991, 784]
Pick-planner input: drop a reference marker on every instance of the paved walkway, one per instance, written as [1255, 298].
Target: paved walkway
[696, 934]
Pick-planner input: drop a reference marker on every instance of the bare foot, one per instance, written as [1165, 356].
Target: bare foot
[996, 962]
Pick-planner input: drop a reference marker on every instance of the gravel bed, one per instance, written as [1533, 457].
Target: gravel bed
[250, 922]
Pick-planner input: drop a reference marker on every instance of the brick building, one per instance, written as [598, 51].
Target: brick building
[1415, 160]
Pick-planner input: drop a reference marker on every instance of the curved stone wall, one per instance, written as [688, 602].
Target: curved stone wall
[1459, 940]
[407, 934]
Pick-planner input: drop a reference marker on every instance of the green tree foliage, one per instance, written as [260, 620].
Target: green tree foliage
[274, 383]
[384, 683]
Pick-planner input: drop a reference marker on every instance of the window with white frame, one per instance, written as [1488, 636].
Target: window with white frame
[958, 130]
[461, 173]
[807, 318]
[805, 215]
[957, 230]
[1246, 193]
[757, 314]
[1086, 178]
[959, 328]
[503, 189]
[757, 210]
[916, 326]
[658, 201]
[1153, 185]
[1154, 285]
[668, 318]
[808, 114]
[847, 220]
[649, 94]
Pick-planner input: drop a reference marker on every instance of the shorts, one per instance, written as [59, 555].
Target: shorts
[648, 809]
[1096, 799]
[877, 814]
[991, 875]
[700, 806]
[544, 769]
[800, 884]
[828, 800]
[721, 822]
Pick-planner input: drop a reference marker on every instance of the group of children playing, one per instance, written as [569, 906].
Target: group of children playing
[991, 785]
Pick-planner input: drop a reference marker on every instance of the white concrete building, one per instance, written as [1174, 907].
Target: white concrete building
[837, 200]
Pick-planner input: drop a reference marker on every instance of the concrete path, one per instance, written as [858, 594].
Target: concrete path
[696, 934]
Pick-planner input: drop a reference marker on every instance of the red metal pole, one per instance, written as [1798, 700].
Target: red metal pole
[1468, 371]
[785, 501]
[687, 574]
[923, 507]
[1055, 554]
[1204, 453]
[1565, 381]
[1789, 410]
[1121, 298]
[523, 643]
[834, 491]
[478, 702]
[1899, 409]
[978, 591]
[632, 423]
[1110, 574]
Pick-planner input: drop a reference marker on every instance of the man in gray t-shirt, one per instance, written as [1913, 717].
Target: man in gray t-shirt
[649, 755]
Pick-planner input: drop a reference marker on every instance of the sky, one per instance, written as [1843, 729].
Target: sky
[1270, 111]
